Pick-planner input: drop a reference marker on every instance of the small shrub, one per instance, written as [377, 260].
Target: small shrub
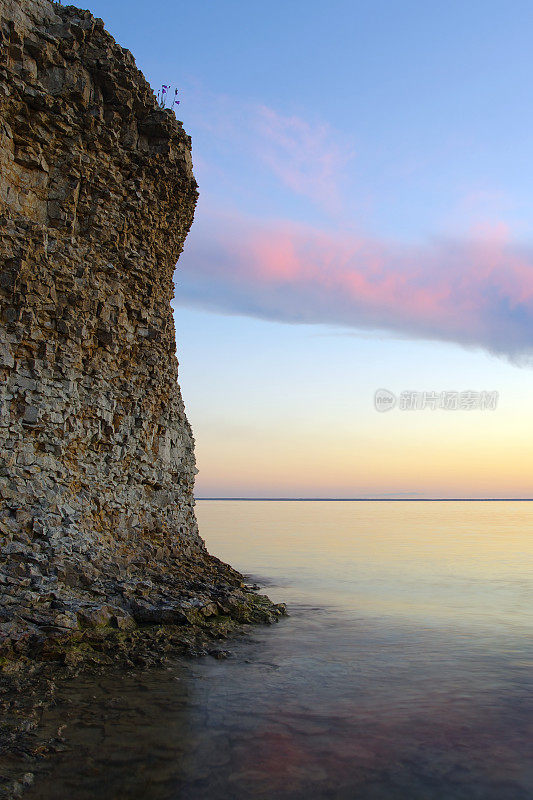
[163, 98]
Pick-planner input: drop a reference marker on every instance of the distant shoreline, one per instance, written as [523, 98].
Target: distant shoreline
[375, 499]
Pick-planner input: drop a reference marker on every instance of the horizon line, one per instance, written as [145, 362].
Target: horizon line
[377, 499]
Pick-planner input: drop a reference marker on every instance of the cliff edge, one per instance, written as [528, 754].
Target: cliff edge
[97, 194]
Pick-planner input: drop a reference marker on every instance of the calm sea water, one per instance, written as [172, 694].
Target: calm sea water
[403, 673]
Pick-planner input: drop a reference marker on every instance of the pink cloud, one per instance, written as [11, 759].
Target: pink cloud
[477, 291]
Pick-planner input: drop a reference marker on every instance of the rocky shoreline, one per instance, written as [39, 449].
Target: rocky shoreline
[33, 665]
[137, 620]
[186, 598]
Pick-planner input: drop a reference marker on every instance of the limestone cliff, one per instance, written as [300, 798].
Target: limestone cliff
[97, 195]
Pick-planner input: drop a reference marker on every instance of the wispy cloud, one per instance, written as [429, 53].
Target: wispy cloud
[475, 292]
[309, 159]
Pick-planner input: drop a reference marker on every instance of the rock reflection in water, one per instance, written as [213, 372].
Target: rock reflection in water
[319, 706]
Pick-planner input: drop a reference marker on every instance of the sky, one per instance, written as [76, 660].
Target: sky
[365, 222]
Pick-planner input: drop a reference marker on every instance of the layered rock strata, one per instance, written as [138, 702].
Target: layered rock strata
[97, 194]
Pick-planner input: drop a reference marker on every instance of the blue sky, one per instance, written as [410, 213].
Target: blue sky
[364, 220]
[434, 99]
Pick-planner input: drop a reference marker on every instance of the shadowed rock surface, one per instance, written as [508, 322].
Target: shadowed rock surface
[97, 194]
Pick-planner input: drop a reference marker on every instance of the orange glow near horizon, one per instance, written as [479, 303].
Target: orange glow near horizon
[300, 464]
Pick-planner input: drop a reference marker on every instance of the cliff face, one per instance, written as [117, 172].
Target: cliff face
[97, 195]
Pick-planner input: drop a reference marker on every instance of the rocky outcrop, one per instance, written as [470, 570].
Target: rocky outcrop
[97, 194]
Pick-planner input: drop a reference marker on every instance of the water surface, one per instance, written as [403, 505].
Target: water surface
[403, 673]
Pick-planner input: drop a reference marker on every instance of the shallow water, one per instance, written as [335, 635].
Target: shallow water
[403, 673]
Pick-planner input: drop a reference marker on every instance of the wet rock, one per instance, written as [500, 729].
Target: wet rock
[209, 610]
[220, 654]
[165, 614]
[67, 619]
[96, 616]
